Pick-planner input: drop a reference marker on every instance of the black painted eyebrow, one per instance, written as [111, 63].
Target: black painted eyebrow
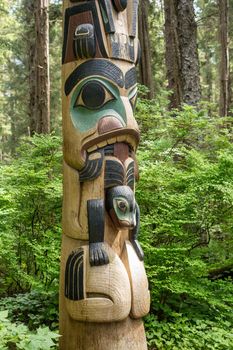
[103, 68]
[131, 78]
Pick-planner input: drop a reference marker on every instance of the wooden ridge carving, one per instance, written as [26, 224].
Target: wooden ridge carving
[103, 284]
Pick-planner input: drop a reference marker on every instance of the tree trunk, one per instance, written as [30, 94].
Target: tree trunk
[181, 52]
[172, 54]
[208, 76]
[224, 56]
[145, 69]
[31, 66]
[39, 70]
[187, 31]
[28, 10]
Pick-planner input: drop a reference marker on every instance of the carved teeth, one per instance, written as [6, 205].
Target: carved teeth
[91, 149]
[102, 144]
[131, 141]
[112, 141]
[127, 139]
[121, 138]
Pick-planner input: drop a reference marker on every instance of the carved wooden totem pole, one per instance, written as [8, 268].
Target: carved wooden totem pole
[103, 288]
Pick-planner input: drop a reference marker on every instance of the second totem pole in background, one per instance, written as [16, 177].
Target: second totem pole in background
[103, 286]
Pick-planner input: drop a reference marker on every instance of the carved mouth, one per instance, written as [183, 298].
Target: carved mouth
[128, 136]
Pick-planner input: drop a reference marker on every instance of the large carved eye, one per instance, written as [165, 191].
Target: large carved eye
[122, 205]
[93, 95]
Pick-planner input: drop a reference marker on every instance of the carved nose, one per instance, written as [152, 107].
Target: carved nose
[109, 123]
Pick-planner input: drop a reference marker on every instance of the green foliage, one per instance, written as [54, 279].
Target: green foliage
[185, 194]
[17, 336]
[34, 309]
[30, 216]
[17, 36]
[188, 334]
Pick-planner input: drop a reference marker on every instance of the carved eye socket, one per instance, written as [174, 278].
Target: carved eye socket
[93, 95]
[122, 206]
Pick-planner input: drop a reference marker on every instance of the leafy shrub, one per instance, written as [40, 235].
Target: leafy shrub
[30, 216]
[186, 334]
[17, 336]
[33, 309]
[185, 195]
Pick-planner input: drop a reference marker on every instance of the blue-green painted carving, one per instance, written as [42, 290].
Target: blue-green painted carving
[85, 114]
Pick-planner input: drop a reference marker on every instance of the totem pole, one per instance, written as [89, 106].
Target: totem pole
[103, 286]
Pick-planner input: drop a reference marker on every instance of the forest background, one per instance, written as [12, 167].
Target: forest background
[185, 192]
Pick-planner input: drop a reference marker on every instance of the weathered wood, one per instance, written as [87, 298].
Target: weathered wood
[103, 284]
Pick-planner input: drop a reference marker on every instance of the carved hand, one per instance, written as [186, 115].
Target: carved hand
[98, 255]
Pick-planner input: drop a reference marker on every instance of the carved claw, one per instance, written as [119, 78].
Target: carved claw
[98, 255]
[138, 249]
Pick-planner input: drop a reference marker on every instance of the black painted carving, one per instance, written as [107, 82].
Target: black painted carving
[133, 30]
[93, 95]
[134, 235]
[102, 68]
[131, 50]
[84, 41]
[139, 54]
[115, 47]
[131, 78]
[90, 6]
[106, 11]
[130, 175]
[120, 5]
[92, 168]
[74, 276]
[114, 174]
[122, 47]
[120, 191]
[109, 150]
[95, 210]
[126, 193]
[133, 101]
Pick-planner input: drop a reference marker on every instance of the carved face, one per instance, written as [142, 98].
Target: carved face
[100, 107]
[99, 93]
[120, 203]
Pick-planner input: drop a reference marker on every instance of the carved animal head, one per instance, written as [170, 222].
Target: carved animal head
[100, 52]
[121, 205]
